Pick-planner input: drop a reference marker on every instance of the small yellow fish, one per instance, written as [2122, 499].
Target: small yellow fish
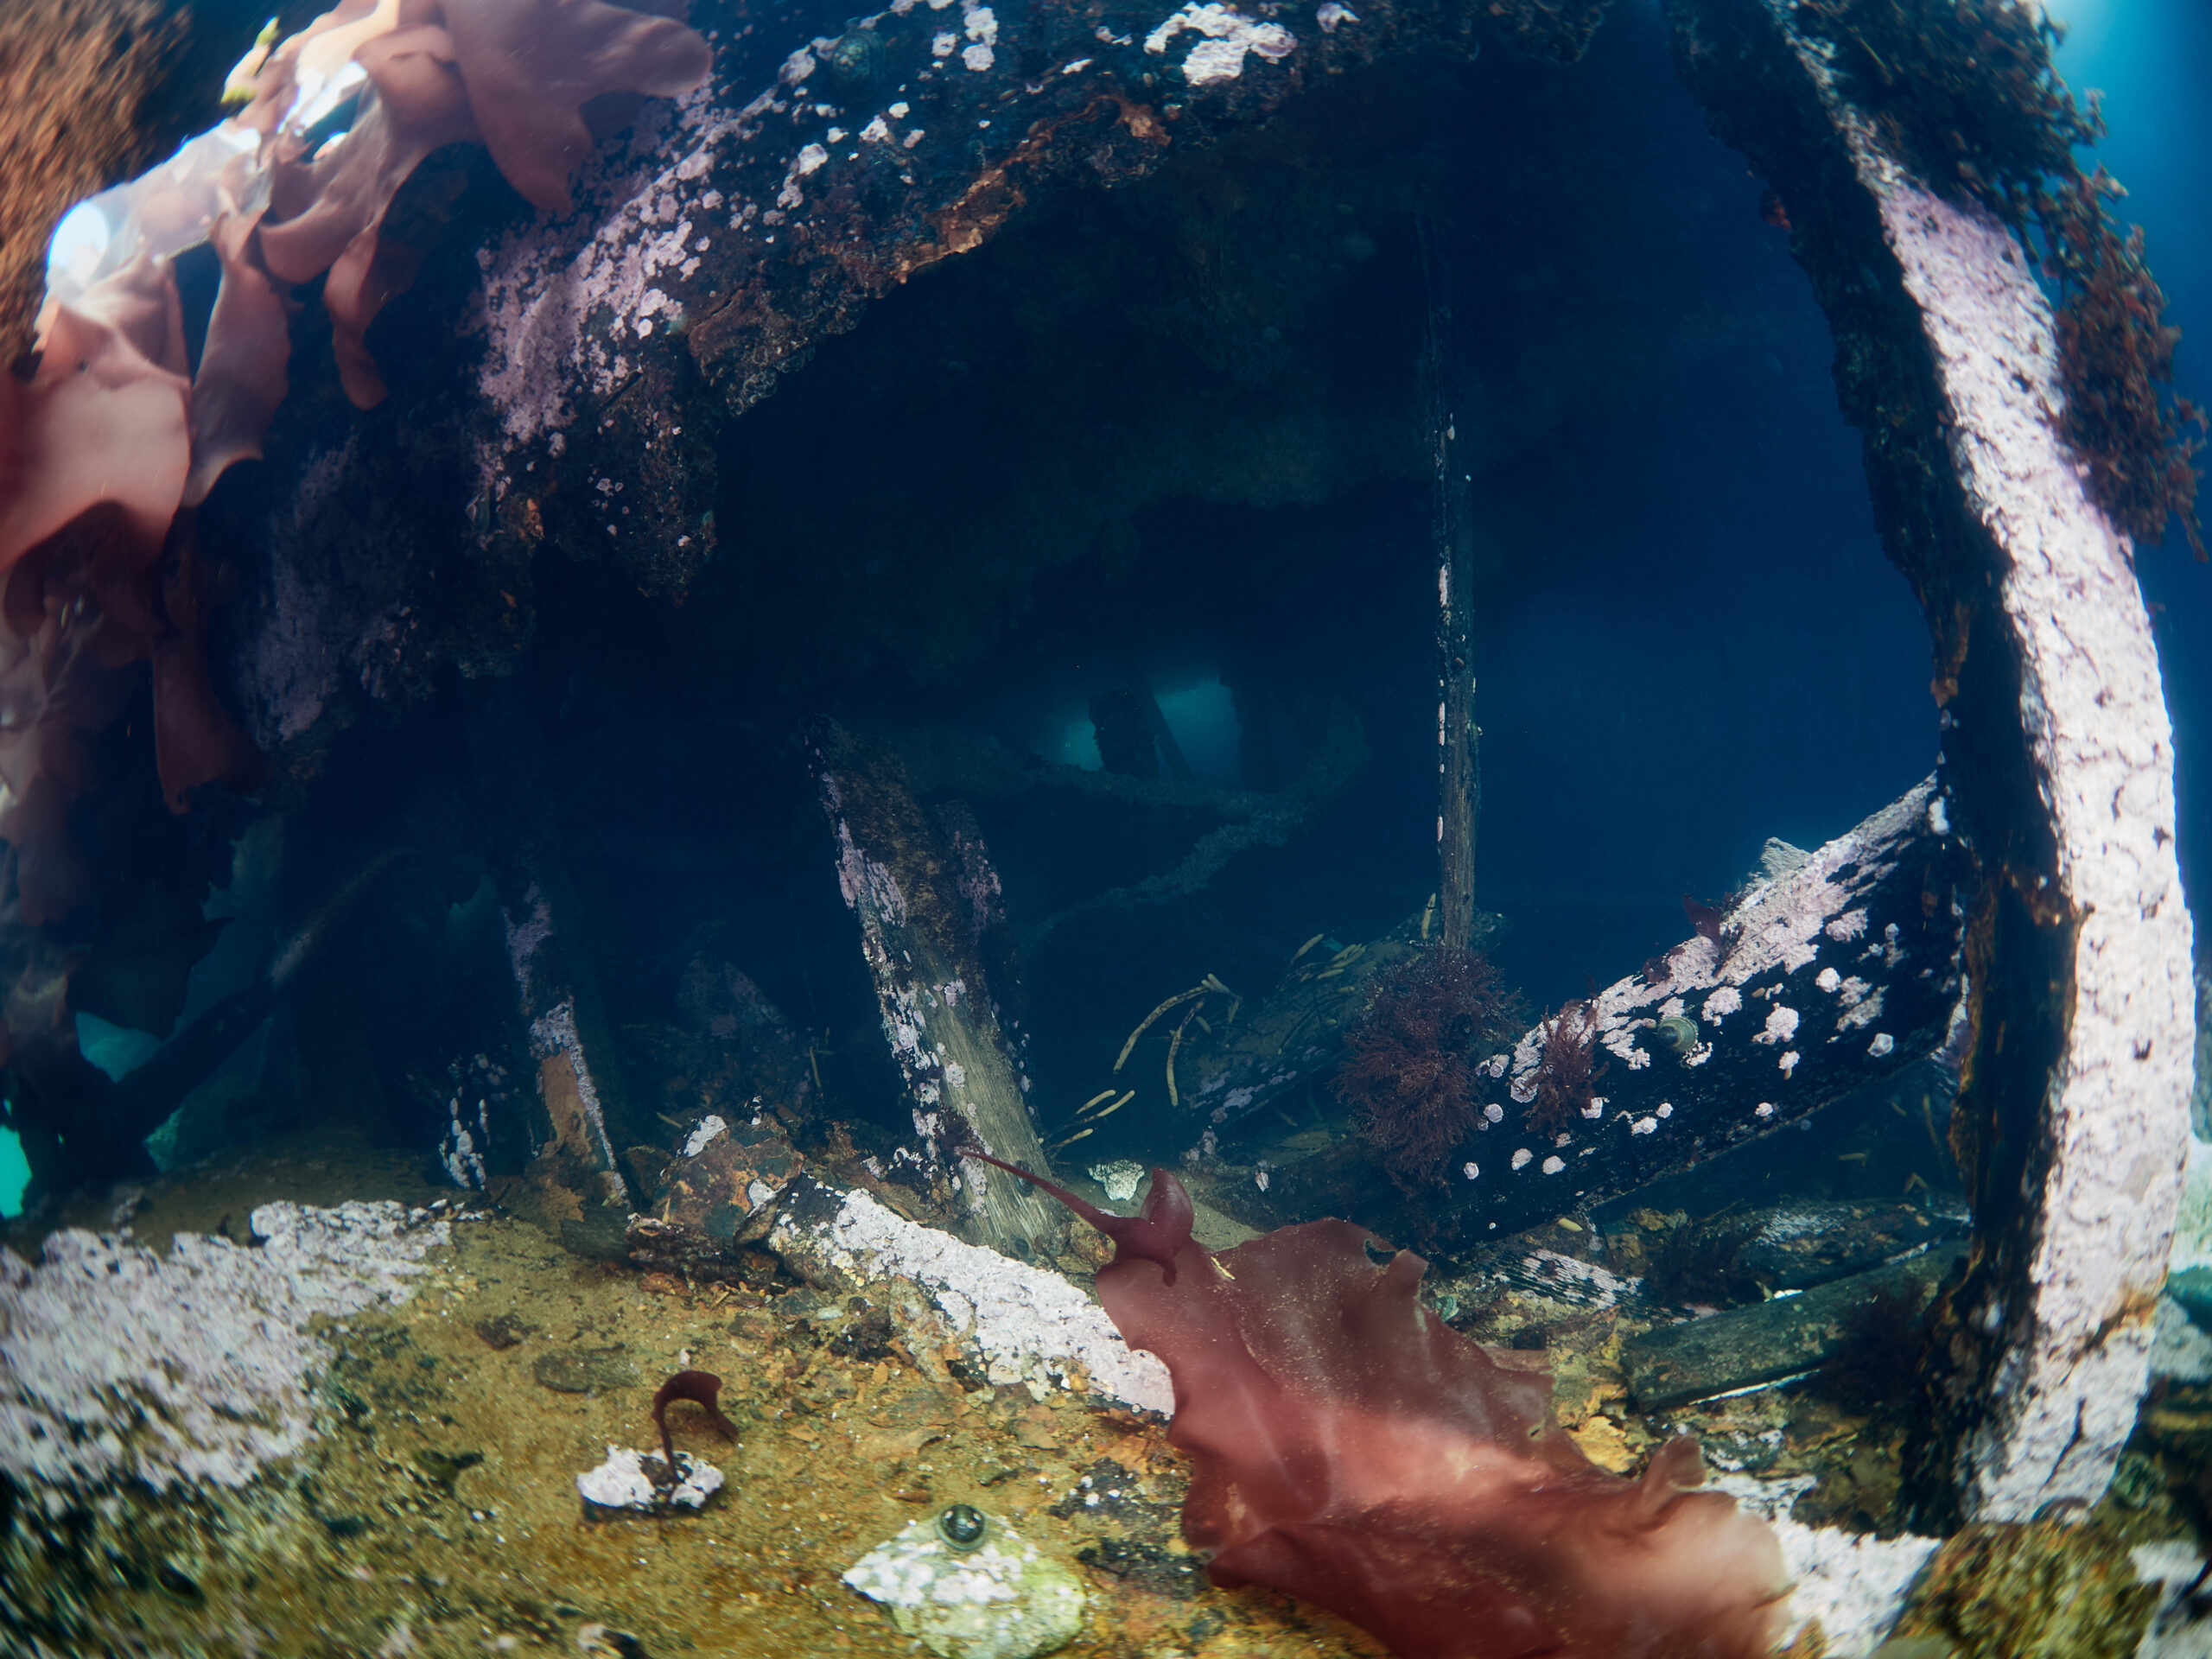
[238, 85]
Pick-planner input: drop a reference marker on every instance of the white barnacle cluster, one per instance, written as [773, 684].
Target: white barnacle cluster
[1620, 1043]
[981, 27]
[545, 285]
[1780, 1026]
[1527, 1054]
[810, 157]
[704, 1133]
[997, 1599]
[1805, 902]
[126, 1366]
[1585, 1282]
[867, 884]
[1230, 35]
[1028, 1323]
[458, 1152]
[621, 1483]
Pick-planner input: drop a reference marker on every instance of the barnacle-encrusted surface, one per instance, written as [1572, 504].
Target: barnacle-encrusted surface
[123, 1366]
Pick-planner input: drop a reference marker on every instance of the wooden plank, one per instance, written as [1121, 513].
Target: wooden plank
[925, 898]
[1675, 1364]
[1837, 973]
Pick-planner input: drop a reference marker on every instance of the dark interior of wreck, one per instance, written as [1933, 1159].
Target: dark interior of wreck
[1159, 445]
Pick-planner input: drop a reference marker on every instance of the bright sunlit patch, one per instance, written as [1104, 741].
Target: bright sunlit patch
[15, 1173]
[2086, 22]
[80, 243]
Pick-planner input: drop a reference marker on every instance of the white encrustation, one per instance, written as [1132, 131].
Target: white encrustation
[1000, 1597]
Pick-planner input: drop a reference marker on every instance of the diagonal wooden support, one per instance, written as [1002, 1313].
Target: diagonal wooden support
[2072, 1123]
[923, 894]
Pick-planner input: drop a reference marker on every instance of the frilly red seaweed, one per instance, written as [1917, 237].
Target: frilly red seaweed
[113, 436]
[1352, 1450]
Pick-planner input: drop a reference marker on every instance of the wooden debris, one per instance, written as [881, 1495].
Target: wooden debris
[1675, 1364]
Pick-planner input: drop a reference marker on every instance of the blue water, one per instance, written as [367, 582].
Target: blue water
[2152, 59]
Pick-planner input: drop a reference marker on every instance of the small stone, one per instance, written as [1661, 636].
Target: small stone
[582, 1370]
[1037, 1430]
[505, 1331]
[999, 1599]
[1120, 1178]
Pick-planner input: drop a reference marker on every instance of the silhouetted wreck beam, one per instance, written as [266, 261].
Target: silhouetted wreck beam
[77, 1126]
[2073, 1121]
[588, 1123]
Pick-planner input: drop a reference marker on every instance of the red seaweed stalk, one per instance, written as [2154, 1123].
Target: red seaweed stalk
[702, 1388]
[1566, 1071]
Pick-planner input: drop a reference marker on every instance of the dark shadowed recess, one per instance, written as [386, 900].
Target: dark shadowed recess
[1170, 435]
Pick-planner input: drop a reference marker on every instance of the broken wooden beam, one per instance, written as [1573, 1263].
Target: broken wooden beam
[1825, 978]
[1829, 975]
[926, 898]
[1675, 1364]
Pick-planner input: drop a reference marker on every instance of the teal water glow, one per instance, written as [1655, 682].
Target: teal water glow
[1203, 717]
[117, 1050]
[1077, 745]
[15, 1173]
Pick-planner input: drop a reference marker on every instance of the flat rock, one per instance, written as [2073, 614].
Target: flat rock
[625, 1485]
[584, 1370]
[1002, 1599]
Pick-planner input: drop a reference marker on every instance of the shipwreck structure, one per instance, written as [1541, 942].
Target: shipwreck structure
[623, 346]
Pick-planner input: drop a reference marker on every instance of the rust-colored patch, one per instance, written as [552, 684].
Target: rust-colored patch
[993, 196]
[1951, 640]
[564, 1104]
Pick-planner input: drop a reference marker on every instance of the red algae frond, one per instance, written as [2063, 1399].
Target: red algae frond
[1411, 1068]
